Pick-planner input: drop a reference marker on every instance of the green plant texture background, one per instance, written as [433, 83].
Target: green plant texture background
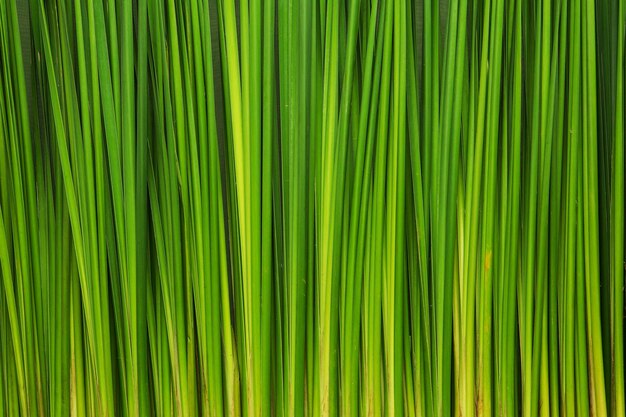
[312, 208]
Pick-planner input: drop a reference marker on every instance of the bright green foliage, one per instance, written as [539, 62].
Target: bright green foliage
[312, 208]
